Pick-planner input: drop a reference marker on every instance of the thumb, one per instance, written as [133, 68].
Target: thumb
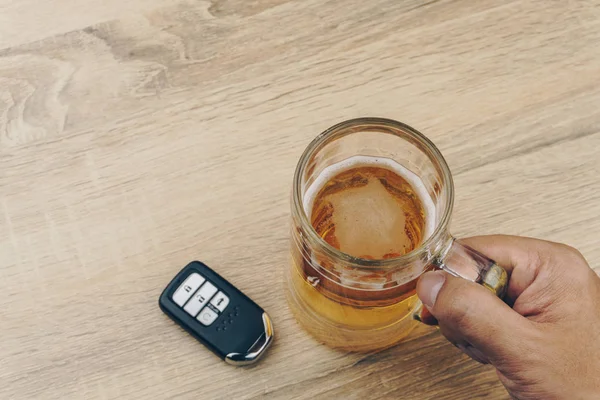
[473, 319]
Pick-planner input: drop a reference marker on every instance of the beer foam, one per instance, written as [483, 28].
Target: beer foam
[417, 184]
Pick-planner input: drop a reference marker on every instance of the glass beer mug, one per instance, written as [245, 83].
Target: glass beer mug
[340, 286]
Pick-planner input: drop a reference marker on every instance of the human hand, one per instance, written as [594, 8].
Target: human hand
[545, 340]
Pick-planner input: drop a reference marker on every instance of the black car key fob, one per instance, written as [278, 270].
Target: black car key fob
[217, 314]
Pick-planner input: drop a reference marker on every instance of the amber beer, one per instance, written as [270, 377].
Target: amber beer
[371, 209]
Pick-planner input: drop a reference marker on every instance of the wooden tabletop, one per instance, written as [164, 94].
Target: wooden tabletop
[138, 135]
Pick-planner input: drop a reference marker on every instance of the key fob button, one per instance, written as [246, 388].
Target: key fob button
[220, 301]
[207, 316]
[200, 298]
[187, 289]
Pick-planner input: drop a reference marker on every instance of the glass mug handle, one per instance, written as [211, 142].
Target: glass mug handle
[464, 262]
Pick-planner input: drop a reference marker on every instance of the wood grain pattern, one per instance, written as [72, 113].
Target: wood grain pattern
[136, 136]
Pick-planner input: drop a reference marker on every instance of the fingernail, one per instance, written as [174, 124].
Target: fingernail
[473, 353]
[429, 286]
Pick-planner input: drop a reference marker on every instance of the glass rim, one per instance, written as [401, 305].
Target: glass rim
[340, 130]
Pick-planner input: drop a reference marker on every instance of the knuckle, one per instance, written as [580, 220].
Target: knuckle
[536, 258]
[553, 257]
[572, 252]
[567, 261]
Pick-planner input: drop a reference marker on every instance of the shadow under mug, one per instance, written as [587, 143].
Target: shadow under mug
[360, 304]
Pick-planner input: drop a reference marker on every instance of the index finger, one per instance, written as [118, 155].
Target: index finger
[521, 257]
